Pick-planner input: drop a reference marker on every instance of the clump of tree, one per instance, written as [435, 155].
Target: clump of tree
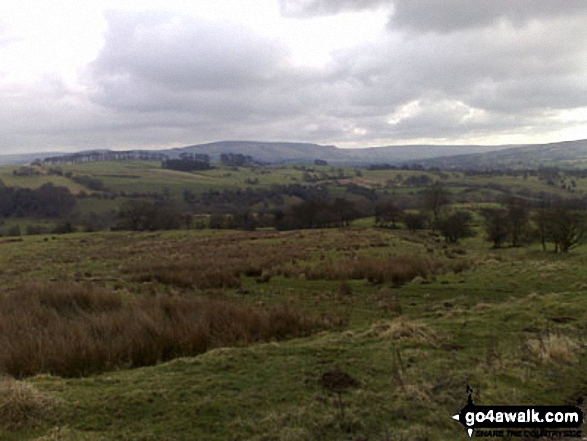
[26, 171]
[562, 225]
[359, 190]
[434, 198]
[149, 215]
[232, 200]
[387, 214]
[417, 180]
[188, 162]
[415, 221]
[496, 226]
[45, 201]
[241, 220]
[89, 182]
[511, 222]
[518, 219]
[318, 213]
[235, 159]
[456, 226]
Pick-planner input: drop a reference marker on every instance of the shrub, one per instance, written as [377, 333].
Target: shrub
[415, 221]
[456, 226]
[13, 231]
[36, 229]
[64, 228]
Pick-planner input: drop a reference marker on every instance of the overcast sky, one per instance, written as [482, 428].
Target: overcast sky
[354, 73]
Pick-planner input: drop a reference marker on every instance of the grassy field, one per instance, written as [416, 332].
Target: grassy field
[148, 177]
[233, 335]
[409, 320]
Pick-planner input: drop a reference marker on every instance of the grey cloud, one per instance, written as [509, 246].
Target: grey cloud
[301, 8]
[207, 71]
[442, 16]
[477, 66]
[160, 79]
[195, 81]
[185, 53]
[514, 76]
[450, 15]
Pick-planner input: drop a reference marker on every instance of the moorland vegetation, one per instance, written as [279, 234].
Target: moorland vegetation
[245, 301]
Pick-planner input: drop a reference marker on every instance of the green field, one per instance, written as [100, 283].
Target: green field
[236, 335]
[146, 177]
[511, 323]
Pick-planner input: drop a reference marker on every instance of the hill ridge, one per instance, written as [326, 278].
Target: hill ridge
[563, 153]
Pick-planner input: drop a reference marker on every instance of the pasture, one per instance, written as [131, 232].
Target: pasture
[410, 319]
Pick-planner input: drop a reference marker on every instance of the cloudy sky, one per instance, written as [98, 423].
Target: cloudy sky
[354, 73]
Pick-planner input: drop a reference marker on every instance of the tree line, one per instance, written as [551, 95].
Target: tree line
[515, 222]
[560, 223]
[46, 201]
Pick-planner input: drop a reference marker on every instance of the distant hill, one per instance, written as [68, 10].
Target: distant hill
[270, 152]
[568, 154]
[25, 158]
[563, 154]
[304, 153]
[287, 153]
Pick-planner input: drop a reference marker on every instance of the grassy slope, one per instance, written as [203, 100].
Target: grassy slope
[479, 326]
[36, 181]
[146, 177]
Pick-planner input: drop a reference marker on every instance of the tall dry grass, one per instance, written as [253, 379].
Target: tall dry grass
[396, 269]
[210, 267]
[22, 405]
[71, 329]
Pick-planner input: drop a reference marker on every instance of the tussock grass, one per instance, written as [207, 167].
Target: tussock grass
[403, 329]
[73, 330]
[209, 266]
[396, 269]
[22, 405]
[558, 349]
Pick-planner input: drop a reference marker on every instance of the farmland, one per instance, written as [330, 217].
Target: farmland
[411, 346]
[231, 334]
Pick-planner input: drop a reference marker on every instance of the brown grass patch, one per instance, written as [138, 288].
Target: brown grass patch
[215, 265]
[73, 330]
[405, 329]
[558, 349]
[396, 269]
[22, 405]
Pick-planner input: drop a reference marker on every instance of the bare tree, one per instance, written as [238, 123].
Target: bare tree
[518, 218]
[496, 226]
[386, 213]
[456, 226]
[568, 228]
[435, 197]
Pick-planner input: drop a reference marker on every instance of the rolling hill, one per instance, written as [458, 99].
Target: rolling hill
[294, 153]
[569, 154]
[303, 153]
